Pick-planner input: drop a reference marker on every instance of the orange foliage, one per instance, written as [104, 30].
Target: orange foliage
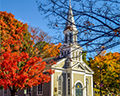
[29, 74]
[109, 64]
[17, 67]
[51, 50]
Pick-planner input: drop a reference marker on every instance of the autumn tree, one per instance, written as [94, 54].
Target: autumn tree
[43, 43]
[19, 67]
[97, 21]
[109, 64]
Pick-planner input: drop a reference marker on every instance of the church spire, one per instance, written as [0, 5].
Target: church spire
[70, 30]
[70, 19]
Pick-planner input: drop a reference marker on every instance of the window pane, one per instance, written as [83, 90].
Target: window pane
[40, 89]
[79, 90]
[59, 85]
[28, 90]
[68, 86]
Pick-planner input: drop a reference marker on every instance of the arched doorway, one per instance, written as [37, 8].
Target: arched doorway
[79, 89]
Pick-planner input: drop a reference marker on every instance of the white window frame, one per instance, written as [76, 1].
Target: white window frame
[60, 85]
[41, 92]
[78, 81]
[29, 92]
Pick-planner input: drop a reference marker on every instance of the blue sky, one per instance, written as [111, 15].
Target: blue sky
[27, 12]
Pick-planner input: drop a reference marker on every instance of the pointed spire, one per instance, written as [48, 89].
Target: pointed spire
[70, 19]
[69, 3]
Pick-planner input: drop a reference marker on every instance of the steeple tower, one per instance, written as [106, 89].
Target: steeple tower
[71, 48]
[70, 30]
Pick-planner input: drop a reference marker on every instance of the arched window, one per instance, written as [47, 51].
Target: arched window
[87, 87]
[60, 85]
[79, 89]
[62, 53]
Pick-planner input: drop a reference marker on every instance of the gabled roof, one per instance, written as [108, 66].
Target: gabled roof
[82, 65]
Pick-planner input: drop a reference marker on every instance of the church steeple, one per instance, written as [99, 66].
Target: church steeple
[70, 30]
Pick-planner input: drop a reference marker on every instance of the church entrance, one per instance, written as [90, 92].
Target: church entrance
[79, 89]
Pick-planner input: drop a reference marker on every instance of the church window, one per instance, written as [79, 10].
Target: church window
[87, 87]
[70, 37]
[67, 63]
[66, 38]
[69, 86]
[62, 53]
[60, 85]
[40, 89]
[79, 89]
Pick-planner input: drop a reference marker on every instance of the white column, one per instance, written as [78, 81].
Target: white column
[52, 78]
[92, 85]
[84, 93]
[72, 83]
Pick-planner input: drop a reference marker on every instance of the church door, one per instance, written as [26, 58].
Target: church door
[79, 89]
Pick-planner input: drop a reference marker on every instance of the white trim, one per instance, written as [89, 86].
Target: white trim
[37, 90]
[59, 62]
[78, 72]
[60, 75]
[84, 85]
[85, 65]
[78, 81]
[52, 84]
[60, 71]
[88, 75]
[72, 83]
[92, 85]
[30, 91]
[78, 63]
[57, 68]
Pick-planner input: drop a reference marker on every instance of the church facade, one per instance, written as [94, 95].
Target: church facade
[72, 76]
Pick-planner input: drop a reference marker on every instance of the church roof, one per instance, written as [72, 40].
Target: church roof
[70, 19]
